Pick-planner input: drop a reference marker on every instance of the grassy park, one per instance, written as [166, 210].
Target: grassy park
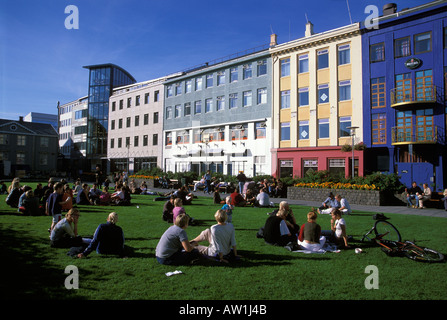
[36, 271]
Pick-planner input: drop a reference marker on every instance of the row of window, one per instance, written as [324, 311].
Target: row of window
[20, 157]
[21, 140]
[402, 47]
[136, 141]
[344, 57]
[323, 129]
[233, 102]
[218, 79]
[237, 132]
[136, 121]
[344, 94]
[137, 100]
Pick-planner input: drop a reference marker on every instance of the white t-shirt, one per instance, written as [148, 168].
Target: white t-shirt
[344, 203]
[263, 199]
[338, 224]
[222, 239]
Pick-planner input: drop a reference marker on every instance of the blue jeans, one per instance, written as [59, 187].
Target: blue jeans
[181, 257]
[409, 198]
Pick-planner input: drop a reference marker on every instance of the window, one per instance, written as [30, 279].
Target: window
[120, 142]
[303, 130]
[220, 103]
[344, 90]
[168, 141]
[121, 104]
[146, 119]
[345, 123]
[187, 109]
[208, 105]
[198, 107]
[378, 92]
[303, 63]
[378, 128]
[155, 117]
[44, 142]
[285, 99]
[323, 59]
[168, 112]
[21, 140]
[262, 95]
[309, 166]
[188, 86]
[198, 84]
[337, 167]
[323, 128]
[238, 132]
[403, 92]
[247, 71]
[135, 141]
[145, 140]
[169, 91]
[137, 121]
[120, 123]
[156, 94]
[3, 138]
[303, 96]
[285, 131]
[220, 78]
[285, 67]
[424, 85]
[112, 143]
[20, 158]
[113, 107]
[137, 100]
[323, 93]
[260, 130]
[209, 80]
[178, 89]
[146, 98]
[80, 130]
[422, 43]
[129, 102]
[247, 99]
[262, 67]
[112, 125]
[128, 120]
[233, 100]
[154, 139]
[402, 47]
[377, 52]
[344, 54]
[233, 74]
[177, 111]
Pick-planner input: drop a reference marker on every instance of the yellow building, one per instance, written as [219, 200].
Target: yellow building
[317, 97]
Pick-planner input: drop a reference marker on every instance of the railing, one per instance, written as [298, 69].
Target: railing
[413, 94]
[414, 135]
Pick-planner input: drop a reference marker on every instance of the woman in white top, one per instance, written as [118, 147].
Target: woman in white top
[221, 238]
[338, 226]
[424, 196]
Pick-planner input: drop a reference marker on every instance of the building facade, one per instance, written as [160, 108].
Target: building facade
[27, 147]
[217, 117]
[136, 126]
[405, 72]
[42, 118]
[317, 98]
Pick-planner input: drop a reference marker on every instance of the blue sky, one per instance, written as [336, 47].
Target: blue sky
[41, 61]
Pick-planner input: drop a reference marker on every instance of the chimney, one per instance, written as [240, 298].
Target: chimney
[20, 118]
[389, 8]
[273, 40]
[309, 29]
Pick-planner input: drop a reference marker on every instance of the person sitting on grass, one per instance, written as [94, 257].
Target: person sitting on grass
[65, 232]
[30, 205]
[105, 197]
[174, 247]
[228, 208]
[262, 199]
[276, 232]
[53, 206]
[68, 193]
[237, 199]
[337, 234]
[108, 238]
[83, 196]
[221, 238]
[178, 208]
[310, 237]
[167, 209]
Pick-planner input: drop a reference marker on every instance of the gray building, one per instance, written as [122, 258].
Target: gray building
[27, 147]
[217, 116]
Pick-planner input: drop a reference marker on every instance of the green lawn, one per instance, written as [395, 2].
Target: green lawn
[36, 271]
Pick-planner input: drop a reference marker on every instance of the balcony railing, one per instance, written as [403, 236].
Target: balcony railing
[410, 94]
[414, 135]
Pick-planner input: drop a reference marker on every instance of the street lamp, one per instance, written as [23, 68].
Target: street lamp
[352, 129]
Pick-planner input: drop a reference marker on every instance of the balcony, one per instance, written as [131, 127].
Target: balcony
[407, 95]
[415, 135]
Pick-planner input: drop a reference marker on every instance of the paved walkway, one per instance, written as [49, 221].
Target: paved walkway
[381, 209]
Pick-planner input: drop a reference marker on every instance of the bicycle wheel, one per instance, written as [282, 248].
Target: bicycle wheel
[386, 231]
[423, 254]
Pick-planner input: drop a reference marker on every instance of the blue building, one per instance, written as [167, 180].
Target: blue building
[404, 81]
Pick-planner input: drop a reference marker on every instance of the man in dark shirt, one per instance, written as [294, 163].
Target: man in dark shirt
[276, 231]
[167, 209]
[412, 194]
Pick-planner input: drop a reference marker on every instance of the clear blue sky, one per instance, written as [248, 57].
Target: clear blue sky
[41, 61]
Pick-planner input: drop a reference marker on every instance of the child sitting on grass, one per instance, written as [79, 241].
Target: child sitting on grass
[228, 208]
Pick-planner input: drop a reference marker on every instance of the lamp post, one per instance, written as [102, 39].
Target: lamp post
[352, 129]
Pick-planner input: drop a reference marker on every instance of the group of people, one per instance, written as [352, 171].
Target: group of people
[335, 202]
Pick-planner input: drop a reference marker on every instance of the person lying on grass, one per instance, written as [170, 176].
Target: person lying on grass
[108, 238]
[174, 247]
[221, 238]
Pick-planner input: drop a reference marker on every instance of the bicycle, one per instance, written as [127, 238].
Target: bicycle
[387, 236]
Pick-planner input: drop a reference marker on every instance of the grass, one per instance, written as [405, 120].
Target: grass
[36, 271]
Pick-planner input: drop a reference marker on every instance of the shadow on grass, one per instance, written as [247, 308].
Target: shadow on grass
[27, 270]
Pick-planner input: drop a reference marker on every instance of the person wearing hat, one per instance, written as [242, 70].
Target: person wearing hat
[328, 204]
